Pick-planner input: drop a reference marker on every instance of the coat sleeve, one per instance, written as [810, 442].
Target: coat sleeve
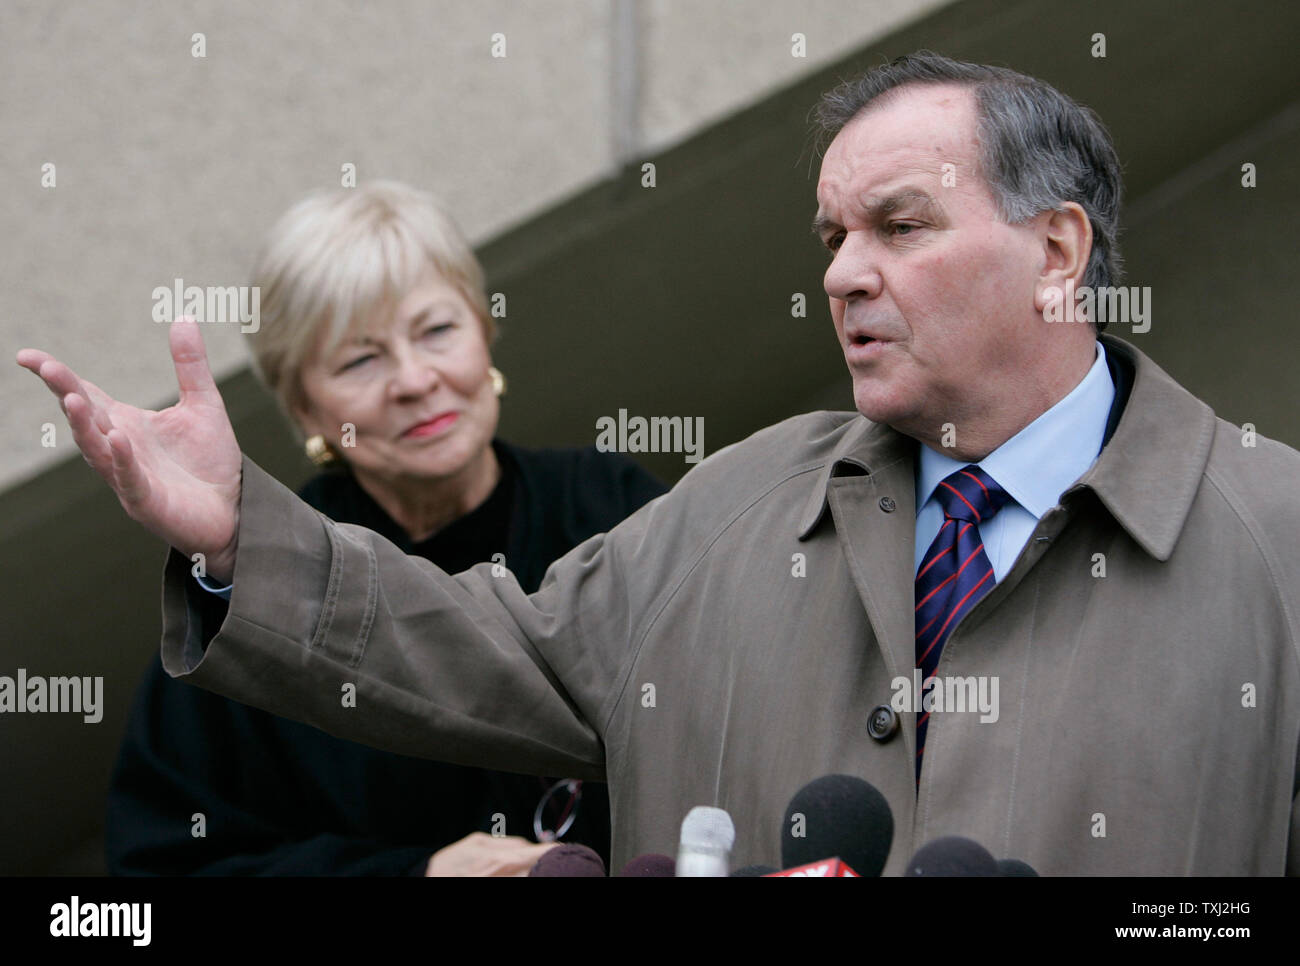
[332, 625]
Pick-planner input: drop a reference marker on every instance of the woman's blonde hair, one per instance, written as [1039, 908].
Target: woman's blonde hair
[340, 257]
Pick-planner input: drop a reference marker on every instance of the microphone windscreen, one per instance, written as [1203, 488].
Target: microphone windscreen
[753, 872]
[708, 829]
[951, 855]
[1014, 867]
[568, 862]
[707, 837]
[649, 867]
[838, 816]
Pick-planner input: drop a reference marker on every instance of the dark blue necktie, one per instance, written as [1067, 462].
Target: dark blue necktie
[954, 574]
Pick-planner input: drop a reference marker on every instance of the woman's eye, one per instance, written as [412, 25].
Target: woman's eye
[357, 361]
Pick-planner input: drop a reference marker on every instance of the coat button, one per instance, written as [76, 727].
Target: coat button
[887, 504]
[882, 723]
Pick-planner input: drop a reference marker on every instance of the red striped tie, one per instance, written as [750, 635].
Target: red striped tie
[954, 574]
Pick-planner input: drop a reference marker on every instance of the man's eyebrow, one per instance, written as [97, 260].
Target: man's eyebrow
[821, 223]
[907, 197]
[885, 205]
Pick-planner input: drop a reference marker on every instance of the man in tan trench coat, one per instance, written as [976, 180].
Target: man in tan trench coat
[1127, 692]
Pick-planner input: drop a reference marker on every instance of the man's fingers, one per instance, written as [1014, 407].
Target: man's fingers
[99, 403]
[107, 449]
[61, 380]
[58, 378]
[32, 358]
[88, 437]
[89, 423]
[190, 358]
[70, 383]
[132, 485]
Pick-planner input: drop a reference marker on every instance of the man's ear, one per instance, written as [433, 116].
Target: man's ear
[1067, 243]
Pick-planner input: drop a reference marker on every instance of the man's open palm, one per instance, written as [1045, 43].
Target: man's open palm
[177, 471]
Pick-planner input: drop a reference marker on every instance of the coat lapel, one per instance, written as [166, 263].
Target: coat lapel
[869, 485]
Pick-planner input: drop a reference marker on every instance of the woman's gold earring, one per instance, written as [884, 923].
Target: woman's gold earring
[498, 380]
[319, 452]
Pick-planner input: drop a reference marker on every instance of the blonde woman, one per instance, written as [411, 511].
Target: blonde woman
[375, 338]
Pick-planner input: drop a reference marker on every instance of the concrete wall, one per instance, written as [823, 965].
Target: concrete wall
[170, 165]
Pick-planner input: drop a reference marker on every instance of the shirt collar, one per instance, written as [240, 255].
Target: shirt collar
[1036, 465]
[1146, 477]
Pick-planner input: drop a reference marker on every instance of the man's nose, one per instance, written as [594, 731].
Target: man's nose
[854, 272]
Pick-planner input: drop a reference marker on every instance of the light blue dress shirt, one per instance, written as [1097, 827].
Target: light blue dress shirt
[1035, 467]
[212, 588]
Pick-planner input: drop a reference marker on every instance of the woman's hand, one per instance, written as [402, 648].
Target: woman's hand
[177, 472]
[480, 854]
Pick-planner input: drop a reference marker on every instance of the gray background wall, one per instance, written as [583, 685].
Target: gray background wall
[670, 301]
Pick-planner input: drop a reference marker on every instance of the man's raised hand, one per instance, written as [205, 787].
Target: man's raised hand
[177, 471]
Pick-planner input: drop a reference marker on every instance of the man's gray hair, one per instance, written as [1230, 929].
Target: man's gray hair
[1037, 148]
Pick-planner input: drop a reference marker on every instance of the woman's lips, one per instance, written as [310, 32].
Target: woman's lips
[433, 427]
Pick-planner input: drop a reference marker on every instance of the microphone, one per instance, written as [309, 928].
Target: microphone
[707, 837]
[568, 862]
[825, 869]
[951, 855]
[1014, 867]
[651, 866]
[838, 817]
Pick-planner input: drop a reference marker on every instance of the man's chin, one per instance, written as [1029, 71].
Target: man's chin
[879, 408]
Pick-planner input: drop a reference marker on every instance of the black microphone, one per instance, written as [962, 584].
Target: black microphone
[951, 855]
[838, 816]
[1014, 867]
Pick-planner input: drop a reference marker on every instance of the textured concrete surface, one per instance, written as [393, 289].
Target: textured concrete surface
[170, 166]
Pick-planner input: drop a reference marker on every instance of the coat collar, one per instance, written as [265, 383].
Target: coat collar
[1146, 476]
